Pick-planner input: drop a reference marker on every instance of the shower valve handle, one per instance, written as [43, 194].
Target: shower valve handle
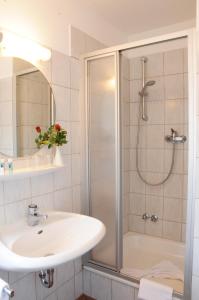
[146, 216]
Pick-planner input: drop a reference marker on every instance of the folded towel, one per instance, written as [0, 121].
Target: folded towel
[164, 269]
[150, 290]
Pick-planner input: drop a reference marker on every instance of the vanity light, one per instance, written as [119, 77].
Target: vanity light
[17, 46]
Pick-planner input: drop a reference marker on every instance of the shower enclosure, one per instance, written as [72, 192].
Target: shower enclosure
[137, 174]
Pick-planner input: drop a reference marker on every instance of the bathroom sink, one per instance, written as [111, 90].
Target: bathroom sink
[60, 238]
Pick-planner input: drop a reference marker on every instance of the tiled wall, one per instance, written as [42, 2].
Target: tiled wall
[166, 109]
[59, 190]
[101, 286]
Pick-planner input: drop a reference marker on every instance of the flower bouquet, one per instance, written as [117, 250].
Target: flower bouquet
[54, 136]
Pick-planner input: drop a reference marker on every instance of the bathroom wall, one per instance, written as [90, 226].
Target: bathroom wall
[59, 190]
[80, 42]
[166, 109]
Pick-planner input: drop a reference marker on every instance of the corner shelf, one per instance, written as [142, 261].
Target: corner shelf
[30, 172]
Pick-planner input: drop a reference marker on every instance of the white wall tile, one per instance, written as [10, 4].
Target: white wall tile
[75, 106]
[172, 230]
[122, 291]
[76, 169]
[42, 184]
[173, 62]
[25, 288]
[100, 287]
[78, 265]
[67, 291]
[15, 276]
[62, 178]
[65, 272]
[60, 69]
[135, 68]
[76, 137]
[4, 275]
[155, 112]
[63, 200]
[15, 211]
[154, 229]
[44, 202]
[174, 86]
[78, 285]
[154, 65]
[136, 223]
[17, 190]
[52, 296]
[77, 203]
[173, 209]
[174, 186]
[62, 102]
[174, 112]
[87, 282]
[137, 203]
[136, 184]
[75, 73]
[154, 205]
[155, 160]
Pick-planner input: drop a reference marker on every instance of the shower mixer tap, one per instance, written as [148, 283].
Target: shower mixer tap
[153, 218]
[146, 216]
[174, 138]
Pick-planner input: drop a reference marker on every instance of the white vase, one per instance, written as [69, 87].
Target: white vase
[57, 160]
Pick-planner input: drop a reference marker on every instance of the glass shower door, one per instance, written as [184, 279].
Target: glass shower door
[104, 155]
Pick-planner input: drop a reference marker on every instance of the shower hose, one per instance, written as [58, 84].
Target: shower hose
[137, 158]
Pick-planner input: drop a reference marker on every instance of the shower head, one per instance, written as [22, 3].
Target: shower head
[148, 83]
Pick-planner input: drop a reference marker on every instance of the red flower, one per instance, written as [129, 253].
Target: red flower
[38, 129]
[57, 127]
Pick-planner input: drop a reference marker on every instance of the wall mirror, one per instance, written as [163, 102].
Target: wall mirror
[26, 101]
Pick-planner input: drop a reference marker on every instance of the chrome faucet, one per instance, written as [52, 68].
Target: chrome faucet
[34, 216]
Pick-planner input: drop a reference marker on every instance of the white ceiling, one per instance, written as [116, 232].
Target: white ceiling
[109, 21]
[134, 16]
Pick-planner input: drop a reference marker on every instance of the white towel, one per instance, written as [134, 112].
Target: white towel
[164, 269]
[150, 290]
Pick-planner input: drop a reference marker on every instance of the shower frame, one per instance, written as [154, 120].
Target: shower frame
[190, 34]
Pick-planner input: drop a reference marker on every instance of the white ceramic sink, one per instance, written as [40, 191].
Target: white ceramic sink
[62, 237]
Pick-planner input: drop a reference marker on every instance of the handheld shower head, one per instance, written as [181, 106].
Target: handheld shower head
[148, 83]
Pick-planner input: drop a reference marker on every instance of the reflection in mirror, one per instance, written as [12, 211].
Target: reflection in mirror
[25, 102]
